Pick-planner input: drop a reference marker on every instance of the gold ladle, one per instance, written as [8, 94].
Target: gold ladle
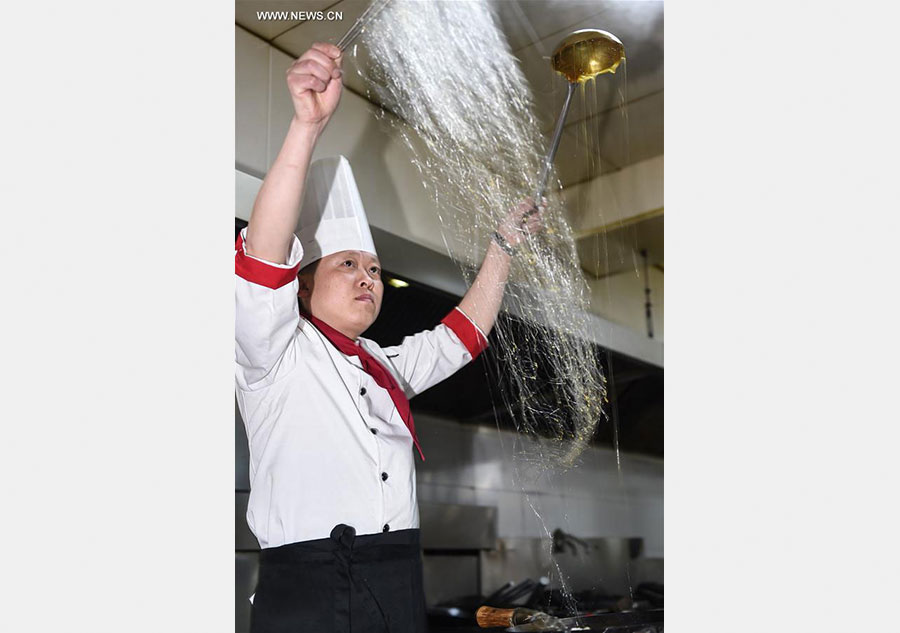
[582, 55]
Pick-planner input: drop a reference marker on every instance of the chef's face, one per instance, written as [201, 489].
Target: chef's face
[345, 291]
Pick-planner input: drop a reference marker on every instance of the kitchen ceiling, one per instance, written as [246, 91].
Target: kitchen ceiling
[622, 124]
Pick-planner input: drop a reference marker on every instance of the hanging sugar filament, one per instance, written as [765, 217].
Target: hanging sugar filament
[446, 70]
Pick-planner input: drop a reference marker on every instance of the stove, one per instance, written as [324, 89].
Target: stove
[650, 621]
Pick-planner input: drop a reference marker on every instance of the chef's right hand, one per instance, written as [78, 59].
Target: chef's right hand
[523, 219]
[315, 84]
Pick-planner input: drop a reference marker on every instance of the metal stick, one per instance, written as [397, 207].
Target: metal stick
[359, 26]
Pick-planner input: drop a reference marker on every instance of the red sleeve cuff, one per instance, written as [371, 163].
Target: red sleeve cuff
[466, 331]
[259, 272]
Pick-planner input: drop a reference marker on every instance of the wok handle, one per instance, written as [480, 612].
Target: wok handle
[488, 617]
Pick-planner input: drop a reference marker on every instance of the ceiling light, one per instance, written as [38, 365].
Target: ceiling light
[397, 283]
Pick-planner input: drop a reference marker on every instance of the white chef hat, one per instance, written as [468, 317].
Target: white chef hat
[332, 217]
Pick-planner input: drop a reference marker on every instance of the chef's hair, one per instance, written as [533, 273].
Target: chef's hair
[307, 271]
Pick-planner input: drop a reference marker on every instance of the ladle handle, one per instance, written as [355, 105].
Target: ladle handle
[489, 617]
[554, 145]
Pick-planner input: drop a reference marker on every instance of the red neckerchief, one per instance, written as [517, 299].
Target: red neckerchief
[383, 378]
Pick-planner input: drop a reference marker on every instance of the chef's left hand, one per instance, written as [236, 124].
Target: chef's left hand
[522, 220]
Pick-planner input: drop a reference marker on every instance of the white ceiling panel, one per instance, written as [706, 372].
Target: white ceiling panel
[270, 18]
[299, 38]
[528, 21]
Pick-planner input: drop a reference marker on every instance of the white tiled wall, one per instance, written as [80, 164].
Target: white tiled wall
[252, 105]
[475, 465]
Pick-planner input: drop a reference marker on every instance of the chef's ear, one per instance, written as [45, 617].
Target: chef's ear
[303, 288]
[304, 292]
[305, 280]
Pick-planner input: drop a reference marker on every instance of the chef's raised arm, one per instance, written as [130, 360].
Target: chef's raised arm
[267, 253]
[315, 85]
[429, 357]
[482, 301]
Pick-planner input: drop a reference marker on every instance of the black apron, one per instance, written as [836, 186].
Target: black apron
[342, 584]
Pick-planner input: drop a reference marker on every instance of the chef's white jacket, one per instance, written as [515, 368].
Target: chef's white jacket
[327, 445]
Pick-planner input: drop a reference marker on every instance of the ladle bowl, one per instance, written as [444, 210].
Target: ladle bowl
[584, 54]
[581, 56]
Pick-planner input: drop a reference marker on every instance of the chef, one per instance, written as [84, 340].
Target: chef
[331, 436]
